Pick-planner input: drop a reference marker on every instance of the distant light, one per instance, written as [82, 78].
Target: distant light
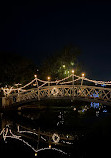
[72, 63]
[94, 95]
[74, 109]
[63, 66]
[73, 71]
[83, 75]
[68, 72]
[94, 105]
[83, 110]
[105, 110]
[103, 85]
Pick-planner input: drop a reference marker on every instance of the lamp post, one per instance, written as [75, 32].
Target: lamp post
[73, 83]
[48, 80]
[37, 86]
[36, 80]
[17, 85]
[48, 85]
[82, 79]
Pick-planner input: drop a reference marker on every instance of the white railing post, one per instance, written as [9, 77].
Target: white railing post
[48, 86]
[18, 128]
[37, 86]
[82, 79]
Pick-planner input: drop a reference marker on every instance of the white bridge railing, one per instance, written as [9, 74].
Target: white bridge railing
[62, 91]
[69, 87]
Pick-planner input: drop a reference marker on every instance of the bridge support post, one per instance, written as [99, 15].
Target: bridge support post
[38, 94]
[3, 101]
[6, 102]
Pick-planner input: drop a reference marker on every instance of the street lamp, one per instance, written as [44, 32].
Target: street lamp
[36, 80]
[49, 146]
[35, 76]
[48, 80]
[82, 78]
[37, 86]
[72, 71]
[35, 153]
[48, 85]
[73, 82]
[17, 85]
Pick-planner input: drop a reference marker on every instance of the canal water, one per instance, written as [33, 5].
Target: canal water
[62, 129]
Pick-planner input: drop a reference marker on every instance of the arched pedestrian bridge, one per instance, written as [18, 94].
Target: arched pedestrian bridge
[71, 87]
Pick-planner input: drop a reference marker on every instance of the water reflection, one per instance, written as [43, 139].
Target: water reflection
[21, 134]
[61, 118]
[95, 105]
[64, 130]
[42, 140]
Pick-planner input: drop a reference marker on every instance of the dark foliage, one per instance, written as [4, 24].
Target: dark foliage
[15, 69]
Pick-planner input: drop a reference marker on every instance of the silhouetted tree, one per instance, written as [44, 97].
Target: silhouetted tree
[15, 69]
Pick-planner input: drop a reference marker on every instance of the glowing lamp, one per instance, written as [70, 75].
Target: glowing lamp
[82, 75]
[35, 153]
[49, 146]
[35, 76]
[48, 78]
[74, 109]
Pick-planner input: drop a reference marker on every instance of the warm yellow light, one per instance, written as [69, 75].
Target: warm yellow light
[48, 78]
[83, 75]
[73, 71]
[35, 154]
[64, 66]
[35, 76]
[49, 146]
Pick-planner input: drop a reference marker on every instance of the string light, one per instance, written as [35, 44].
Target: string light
[7, 91]
[55, 91]
[56, 138]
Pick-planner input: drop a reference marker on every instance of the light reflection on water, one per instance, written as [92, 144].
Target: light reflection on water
[71, 126]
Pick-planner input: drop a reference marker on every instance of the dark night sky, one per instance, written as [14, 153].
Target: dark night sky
[35, 30]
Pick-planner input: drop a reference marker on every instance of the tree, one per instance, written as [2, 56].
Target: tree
[15, 69]
[61, 63]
